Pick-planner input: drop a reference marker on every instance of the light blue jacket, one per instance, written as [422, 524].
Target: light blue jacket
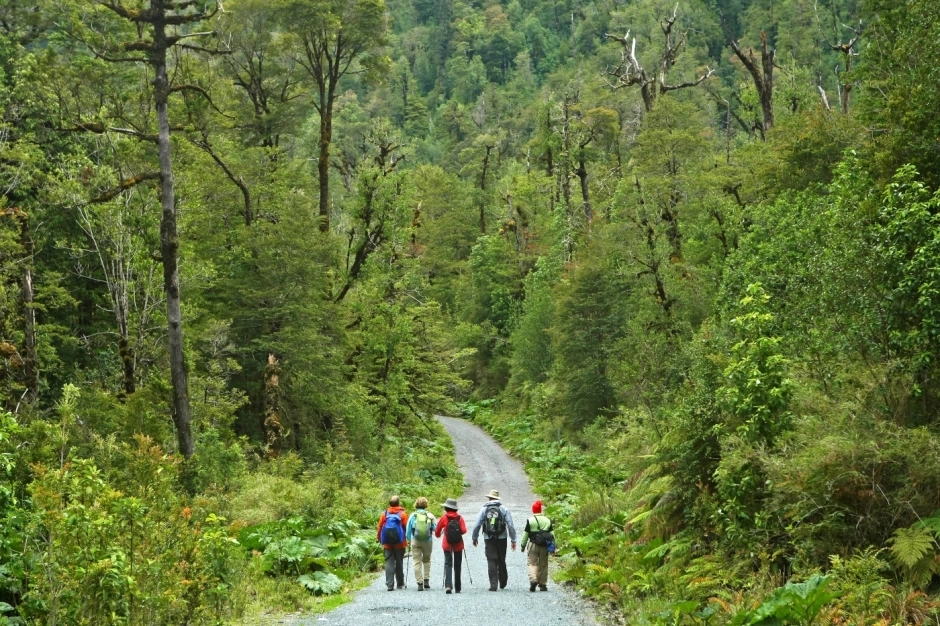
[507, 517]
[410, 531]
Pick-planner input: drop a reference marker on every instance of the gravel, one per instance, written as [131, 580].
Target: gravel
[485, 466]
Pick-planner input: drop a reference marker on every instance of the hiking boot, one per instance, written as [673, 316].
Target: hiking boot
[447, 590]
[391, 587]
[543, 587]
[532, 586]
[502, 585]
[401, 586]
[420, 587]
[492, 588]
[427, 583]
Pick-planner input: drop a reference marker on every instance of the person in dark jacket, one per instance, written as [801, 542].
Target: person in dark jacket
[453, 550]
[394, 551]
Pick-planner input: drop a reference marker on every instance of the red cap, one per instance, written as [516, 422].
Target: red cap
[537, 506]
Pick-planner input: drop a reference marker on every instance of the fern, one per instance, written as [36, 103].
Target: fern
[909, 546]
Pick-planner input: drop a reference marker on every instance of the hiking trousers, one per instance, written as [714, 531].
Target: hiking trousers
[452, 561]
[394, 567]
[496, 561]
[421, 555]
[537, 560]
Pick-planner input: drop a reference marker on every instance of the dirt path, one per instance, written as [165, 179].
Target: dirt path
[485, 466]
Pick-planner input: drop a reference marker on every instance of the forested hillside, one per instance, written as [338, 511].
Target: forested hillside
[683, 258]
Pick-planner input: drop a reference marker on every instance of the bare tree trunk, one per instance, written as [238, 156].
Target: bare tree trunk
[486, 164]
[273, 426]
[763, 77]
[585, 194]
[128, 382]
[169, 242]
[31, 365]
[323, 166]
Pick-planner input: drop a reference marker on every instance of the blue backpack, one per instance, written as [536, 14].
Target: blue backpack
[393, 533]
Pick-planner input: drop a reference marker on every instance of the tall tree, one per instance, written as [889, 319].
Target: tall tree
[170, 23]
[331, 35]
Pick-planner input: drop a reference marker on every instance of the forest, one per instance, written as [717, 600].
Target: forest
[682, 258]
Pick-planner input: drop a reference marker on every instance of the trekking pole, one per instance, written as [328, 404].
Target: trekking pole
[407, 556]
[469, 573]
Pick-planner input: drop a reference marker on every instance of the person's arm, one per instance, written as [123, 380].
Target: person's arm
[525, 535]
[440, 526]
[378, 533]
[463, 526]
[410, 529]
[476, 527]
[405, 521]
[510, 527]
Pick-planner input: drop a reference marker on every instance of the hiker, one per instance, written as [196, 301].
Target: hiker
[452, 527]
[496, 522]
[421, 533]
[538, 534]
[391, 535]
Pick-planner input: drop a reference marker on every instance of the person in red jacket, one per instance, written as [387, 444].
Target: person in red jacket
[452, 527]
[391, 534]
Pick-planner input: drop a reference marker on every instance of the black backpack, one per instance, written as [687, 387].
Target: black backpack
[452, 531]
[493, 523]
[541, 536]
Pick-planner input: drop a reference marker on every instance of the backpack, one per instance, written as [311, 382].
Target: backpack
[541, 536]
[452, 531]
[422, 525]
[392, 531]
[493, 522]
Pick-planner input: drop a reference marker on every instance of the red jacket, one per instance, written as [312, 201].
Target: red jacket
[404, 525]
[441, 530]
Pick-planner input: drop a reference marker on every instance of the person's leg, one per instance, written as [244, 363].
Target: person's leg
[428, 547]
[492, 559]
[448, 566]
[417, 558]
[532, 563]
[400, 567]
[389, 569]
[542, 566]
[458, 564]
[501, 545]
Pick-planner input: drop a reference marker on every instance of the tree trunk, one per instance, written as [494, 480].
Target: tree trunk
[585, 193]
[128, 383]
[323, 167]
[169, 243]
[31, 364]
[273, 426]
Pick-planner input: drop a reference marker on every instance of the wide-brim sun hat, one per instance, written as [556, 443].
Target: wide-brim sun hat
[493, 494]
[451, 504]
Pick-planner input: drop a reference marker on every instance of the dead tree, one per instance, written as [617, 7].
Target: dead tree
[653, 83]
[848, 51]
[762, 73]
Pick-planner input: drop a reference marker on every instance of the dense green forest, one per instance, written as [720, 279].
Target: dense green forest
[682, 257]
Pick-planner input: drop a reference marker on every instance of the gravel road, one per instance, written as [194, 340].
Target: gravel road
[485, 465]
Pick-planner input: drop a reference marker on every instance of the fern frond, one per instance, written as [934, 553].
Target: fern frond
[910, 545]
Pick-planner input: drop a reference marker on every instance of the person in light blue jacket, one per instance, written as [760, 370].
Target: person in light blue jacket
[420, 534]
[495, 521]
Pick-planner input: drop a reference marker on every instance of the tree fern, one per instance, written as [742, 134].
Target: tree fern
[909, 546]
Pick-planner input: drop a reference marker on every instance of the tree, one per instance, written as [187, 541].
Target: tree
[171, 23]
[652, 84]
[762, 73]
[330, 36]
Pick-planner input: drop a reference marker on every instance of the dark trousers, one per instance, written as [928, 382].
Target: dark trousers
[452, 561]
[394, 567]
[496, 561]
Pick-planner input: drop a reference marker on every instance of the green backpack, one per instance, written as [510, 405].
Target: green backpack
[422, 525]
